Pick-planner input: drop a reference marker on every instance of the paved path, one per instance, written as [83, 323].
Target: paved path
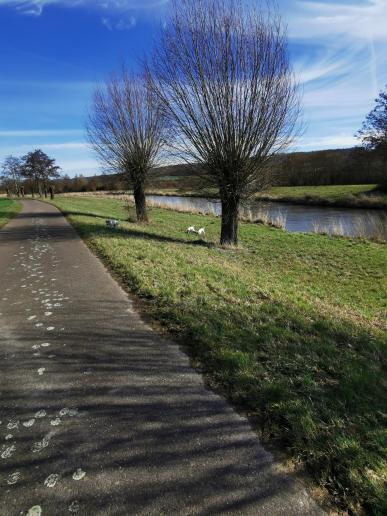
[99, 416]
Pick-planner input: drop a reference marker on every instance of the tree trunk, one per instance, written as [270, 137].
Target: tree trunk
[230, 212]
[140, 201]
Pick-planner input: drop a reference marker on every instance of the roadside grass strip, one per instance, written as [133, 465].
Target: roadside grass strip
[290, 327]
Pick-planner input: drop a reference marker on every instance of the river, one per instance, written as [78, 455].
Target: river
[359, 222]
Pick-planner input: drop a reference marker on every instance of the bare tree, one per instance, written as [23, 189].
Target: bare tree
[223, 76]
[374, 131]
[126, 129]
[11, 174]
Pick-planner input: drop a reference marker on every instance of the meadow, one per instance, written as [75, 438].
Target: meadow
[290, 327]
[8, 209]
[351, 196]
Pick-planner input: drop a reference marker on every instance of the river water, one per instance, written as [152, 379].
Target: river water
[366, 223]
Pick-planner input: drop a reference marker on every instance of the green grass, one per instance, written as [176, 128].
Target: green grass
[8, 209]
[290, 327]
[339, 195]
[328, 192]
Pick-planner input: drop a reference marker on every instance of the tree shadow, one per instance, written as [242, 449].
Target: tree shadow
[148, 434]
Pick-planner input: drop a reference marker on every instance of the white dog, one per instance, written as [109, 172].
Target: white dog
[202, 232]
[112, 223]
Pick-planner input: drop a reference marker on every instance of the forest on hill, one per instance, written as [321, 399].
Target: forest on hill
[326, 167]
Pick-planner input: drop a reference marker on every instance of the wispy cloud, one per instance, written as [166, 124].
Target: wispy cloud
[356, 20]
[114, 14]
[36, 7]
[39, 133]
[121, 24]
[335, 141]
[341, 62]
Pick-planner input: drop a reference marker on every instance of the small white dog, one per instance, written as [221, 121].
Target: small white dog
[191, 229]
[112, 223]
[202, 232]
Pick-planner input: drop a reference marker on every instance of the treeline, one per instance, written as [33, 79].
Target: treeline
[327, 167]
[34, 173]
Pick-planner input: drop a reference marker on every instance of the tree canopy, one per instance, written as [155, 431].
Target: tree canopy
[39, 169]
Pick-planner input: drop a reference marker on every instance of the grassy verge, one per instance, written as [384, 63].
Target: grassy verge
[351, 196]
[291, 327]
[8, 209]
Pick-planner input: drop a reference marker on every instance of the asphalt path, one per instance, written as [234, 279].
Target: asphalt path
[101, 416]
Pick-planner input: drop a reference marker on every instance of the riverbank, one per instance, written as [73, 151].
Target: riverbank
[8, 209]
[340, 196]
[305, 360]
[362, 223]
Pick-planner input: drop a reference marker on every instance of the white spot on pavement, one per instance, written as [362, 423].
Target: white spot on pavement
[31, 317]
[47, 314]
[40, 445]
[29, 423]
[8, 437]
[79, 474]
[12, 425]
[51, 481]
[45, 344]
[50, 328]
[13, 478]
[36, 510]
[41, 371]
[39, 324]
[74, 507]
[55, 422]
[40, 414]
[8, 451]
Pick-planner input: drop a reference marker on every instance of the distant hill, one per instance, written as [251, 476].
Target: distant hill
[326, 167]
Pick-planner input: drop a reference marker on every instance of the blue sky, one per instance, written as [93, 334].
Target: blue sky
[54, 52]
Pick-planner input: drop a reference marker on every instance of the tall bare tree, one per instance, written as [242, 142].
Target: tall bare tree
[223, 75]
[126, 129]
[11, 174]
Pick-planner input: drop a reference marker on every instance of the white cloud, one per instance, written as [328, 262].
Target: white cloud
[86, 167]
[121, 24]
[309, 19]
[39, 132]
[336, 141]
[36, 7]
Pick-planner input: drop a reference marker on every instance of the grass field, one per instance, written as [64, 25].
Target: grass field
[332, 192]
[290, 327]
[351, 196]
[8, 209]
